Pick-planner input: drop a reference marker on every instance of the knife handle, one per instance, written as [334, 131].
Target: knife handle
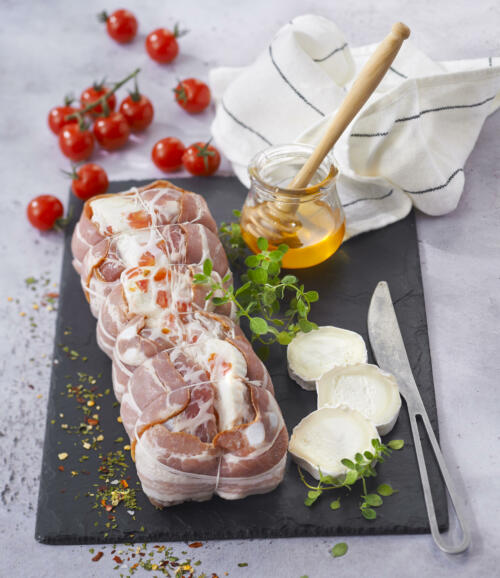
[436, 534]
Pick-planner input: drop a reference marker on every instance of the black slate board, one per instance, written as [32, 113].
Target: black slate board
[345, 284]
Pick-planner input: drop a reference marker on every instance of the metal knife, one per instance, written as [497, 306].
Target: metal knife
[390, 353]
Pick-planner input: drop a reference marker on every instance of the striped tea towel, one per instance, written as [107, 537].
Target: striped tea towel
[407, 146]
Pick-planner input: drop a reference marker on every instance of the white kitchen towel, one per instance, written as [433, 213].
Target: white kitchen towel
[407, 146]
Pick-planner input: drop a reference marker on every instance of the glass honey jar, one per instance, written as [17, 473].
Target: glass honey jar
[310, 221]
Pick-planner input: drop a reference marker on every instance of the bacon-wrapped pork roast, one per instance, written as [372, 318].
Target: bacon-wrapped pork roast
[196, 401]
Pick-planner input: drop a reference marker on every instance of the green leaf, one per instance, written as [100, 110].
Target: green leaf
[347, 463]
[301, 308]
[368, 513]
[385, 490]
[226, 278]
[312, 296]
[237, 213]
[373, 500]
[289, 279]
[199, 278]
[219, 300]
[258, 276]
[358, 457]
[207, 267]
[258, 326]
[252, 261]
[339, 550]
[273, 268]
[368, 455]
[396, 444]
[312, 496]
[283, 247]
[243, 288]
[351, 477]
[335, 505]
[305, 325]
[284, 338]
[262, 244]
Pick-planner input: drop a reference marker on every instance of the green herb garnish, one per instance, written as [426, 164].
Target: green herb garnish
[339, 550]
[361, 468]
[258, 299]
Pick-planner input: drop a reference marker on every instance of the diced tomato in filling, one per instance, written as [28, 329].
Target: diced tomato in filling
[162, 245]
[162, 299]
[133, 272]
[225, 366]
[147, 260]
[165, 330]
[143, 284]
[109, 229]
[139, 220]
[160, 274]
[182, 307]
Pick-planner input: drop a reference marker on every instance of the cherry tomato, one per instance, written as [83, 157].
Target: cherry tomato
[121, 25]
[193, 95]
[161, 44]
[112, 131]
[167, 154]
[137, 110]
[201, 159]
[57, 116]
[76, 143]
[89, 180]
[94, 92]
[44, 211]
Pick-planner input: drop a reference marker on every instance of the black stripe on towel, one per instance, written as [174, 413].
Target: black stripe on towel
[369, 199]
[242, 124]
[397, 72]
[299, 94]
[426, 111]
[432, 189]
[334, 51]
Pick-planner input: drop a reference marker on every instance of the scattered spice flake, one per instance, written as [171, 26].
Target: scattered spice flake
[61, 468]
[98, 556]
[195, 544]
[62, 455]
[242, 564]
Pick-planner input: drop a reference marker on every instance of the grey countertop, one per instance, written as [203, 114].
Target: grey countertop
[48, 49]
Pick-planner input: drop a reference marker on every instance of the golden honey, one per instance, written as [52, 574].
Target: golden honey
[310, 221]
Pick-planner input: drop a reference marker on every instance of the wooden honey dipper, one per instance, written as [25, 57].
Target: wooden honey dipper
[264, 219]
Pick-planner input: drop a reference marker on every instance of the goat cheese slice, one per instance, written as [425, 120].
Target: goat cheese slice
[365, 388]
[327, 436]
[312, 354]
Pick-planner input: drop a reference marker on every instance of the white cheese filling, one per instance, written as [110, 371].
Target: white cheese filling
[312, 354]
[111, 214]
[328, 435]
[227, 366]
[365, 388]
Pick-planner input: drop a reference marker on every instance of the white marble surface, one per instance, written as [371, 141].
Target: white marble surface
[48, 48]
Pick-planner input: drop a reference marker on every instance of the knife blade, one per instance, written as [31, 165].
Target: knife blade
[390, 352]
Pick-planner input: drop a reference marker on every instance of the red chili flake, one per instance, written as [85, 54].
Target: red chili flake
[143, 284]
[98, 556]
[61, 468]
[162, 299]
[92, 421]
[124, 484]
[146, 260]
[52, 295]
[117, 559]
[108, 507]
[160, 274]
[80, 400]
[195, 544]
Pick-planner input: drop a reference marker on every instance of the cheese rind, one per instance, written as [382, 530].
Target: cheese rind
[365, 388]
[327, 436]
[312, 354]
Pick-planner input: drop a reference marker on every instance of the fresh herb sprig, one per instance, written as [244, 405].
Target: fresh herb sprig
[361, 468]
[259, 297]
[232, 239]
